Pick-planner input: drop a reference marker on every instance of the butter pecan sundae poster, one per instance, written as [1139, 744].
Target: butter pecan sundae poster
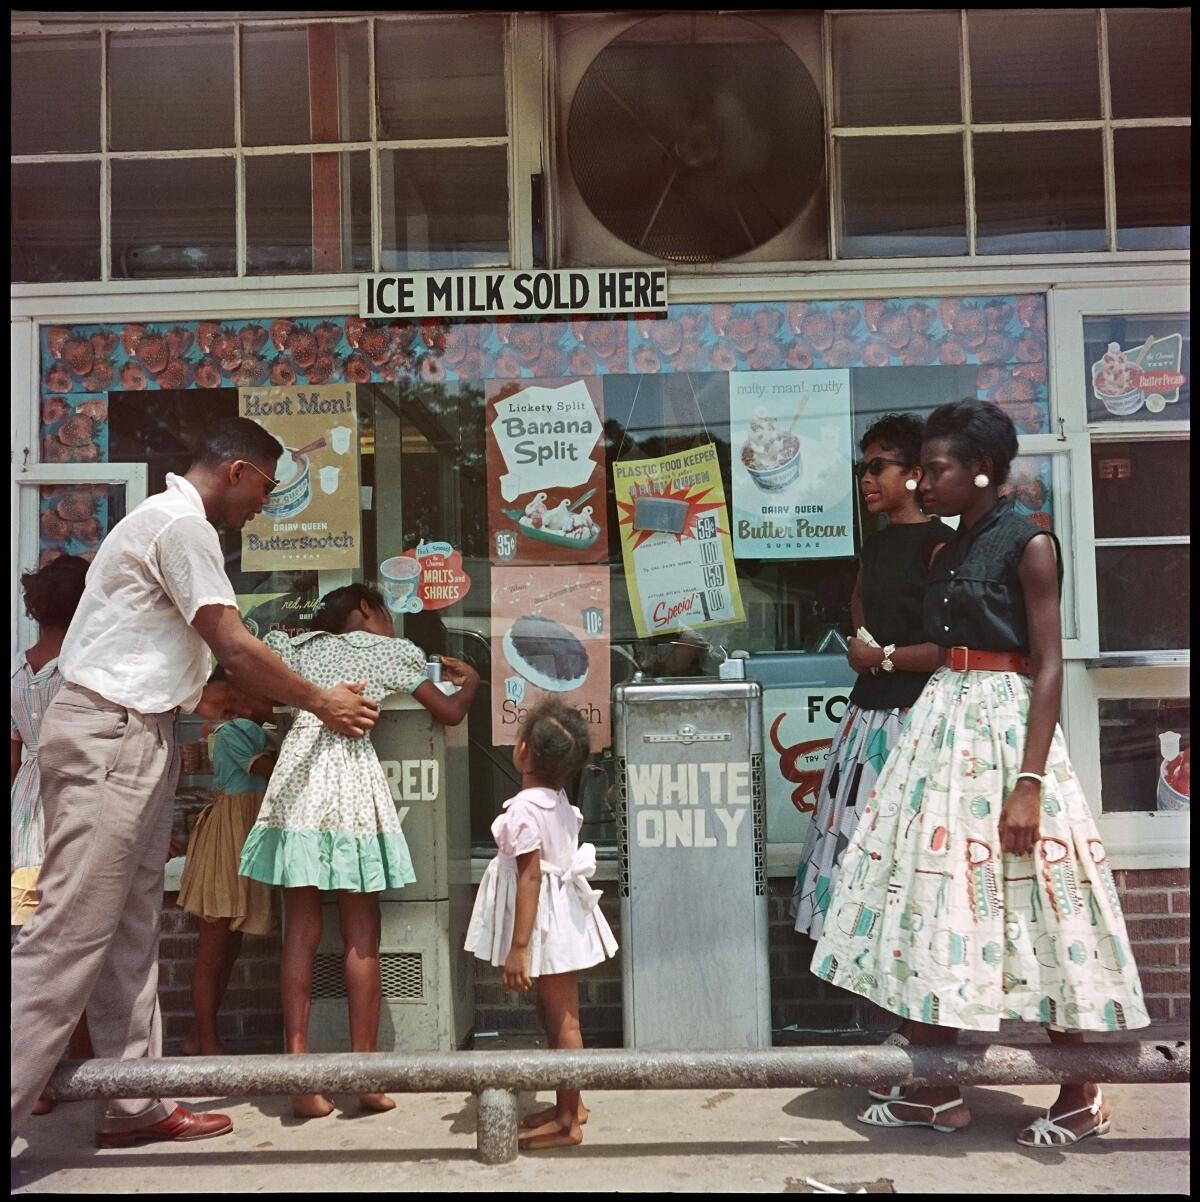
[675, 542]
[791, 464]
[545, 464]
[312, 519]
[550, 638]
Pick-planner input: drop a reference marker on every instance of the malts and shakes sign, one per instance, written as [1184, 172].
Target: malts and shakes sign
[513, 293]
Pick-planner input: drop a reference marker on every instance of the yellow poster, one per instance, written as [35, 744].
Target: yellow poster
[675, 542]
[312, 519]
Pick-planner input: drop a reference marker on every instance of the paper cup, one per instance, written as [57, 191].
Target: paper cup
[398, 576]
[295, 488]
[329, 479]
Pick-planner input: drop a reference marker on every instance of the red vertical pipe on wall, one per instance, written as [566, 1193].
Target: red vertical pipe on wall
[326, 168]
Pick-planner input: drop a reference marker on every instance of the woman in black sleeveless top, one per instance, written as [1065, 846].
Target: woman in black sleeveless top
[887, 602]
[976, 888]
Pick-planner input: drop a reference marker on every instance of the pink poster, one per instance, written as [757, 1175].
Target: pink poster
[550, 638]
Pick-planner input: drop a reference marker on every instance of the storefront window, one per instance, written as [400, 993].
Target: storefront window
[54, 213]
[55, 95]
[1154, 170]
[1139, 368]
[74, 518]
[1145, 754]
[1145, 81]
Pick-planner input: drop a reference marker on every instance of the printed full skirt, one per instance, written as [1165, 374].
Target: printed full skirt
[211, 886]
[930, 920]
[856, 757]
[328, 819]
[570, 933]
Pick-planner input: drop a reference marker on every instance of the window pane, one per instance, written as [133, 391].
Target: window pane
[1141, 767]
[283, 68]
[1140, 489]
[73, 518]
[902, 196]
[170, 91]
[1150, 63]
[1154, 196]
[1144, 597]
[896, 69]
[279, 212]
[55, 94]
[1034, 66]
[172, 217]
[1039, 192]
[55, 222]
[444, 208]
[1139, 367]
[440, 79]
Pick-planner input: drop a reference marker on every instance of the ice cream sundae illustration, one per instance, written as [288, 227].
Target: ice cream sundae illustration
[1174, 773]
[1116, 379]
[771, 455]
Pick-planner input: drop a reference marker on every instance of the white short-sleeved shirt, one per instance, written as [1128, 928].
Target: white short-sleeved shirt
[131, 639]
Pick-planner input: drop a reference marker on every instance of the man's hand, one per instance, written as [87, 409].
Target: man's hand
[1019, 818]
[346, 712]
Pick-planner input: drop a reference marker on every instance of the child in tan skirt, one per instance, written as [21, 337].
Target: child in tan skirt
[228, 905]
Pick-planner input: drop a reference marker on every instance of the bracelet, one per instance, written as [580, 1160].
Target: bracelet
[1031, 776]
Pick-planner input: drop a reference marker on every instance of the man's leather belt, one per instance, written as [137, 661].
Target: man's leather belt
[963, 659]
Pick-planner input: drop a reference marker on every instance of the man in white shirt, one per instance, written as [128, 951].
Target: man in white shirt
[156, 600]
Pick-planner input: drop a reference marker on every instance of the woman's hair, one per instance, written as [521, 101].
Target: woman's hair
[976, 431]
[334, 609]
[52, 593]
[557, 738]
[899, 433]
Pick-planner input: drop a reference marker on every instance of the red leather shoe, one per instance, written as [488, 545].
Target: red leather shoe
[181, 1125]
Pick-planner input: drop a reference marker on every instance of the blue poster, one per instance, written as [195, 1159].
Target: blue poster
[790, 438]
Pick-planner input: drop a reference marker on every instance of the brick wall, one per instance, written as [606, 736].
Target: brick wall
[1157, 912]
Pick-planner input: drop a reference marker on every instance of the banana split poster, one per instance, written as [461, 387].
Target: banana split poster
[546, 477]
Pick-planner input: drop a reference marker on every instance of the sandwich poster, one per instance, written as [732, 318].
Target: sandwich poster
[550, 638]
[675, 542]
[791, 464]
[545, 466]
[312, 518]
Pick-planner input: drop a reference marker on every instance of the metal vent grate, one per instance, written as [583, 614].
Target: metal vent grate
[758, 801]
[622, 829]
[403, 975]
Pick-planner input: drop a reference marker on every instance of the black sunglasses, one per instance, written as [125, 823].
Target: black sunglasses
[872, 467]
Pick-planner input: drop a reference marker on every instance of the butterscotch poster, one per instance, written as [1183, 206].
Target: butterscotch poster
[312, 519]
[550, 638]
[545, 465]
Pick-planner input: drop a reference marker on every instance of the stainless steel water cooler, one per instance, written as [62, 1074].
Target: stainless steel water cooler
[693, 883]
[428, 980]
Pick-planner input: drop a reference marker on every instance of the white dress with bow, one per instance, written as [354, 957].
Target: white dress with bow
[569, 933]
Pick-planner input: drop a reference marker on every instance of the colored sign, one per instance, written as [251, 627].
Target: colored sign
[790, 463]
[518, 293]
[799, 724]
[545, 461]
[430, 576]
[312, 519]
[675, 542]
[1138, 368]
[550, 638]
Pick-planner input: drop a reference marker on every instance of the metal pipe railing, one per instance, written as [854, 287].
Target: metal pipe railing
[497, 1076]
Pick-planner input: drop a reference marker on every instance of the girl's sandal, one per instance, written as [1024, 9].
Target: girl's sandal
[1048, 1132]
[894, 1093]
[880, 1115]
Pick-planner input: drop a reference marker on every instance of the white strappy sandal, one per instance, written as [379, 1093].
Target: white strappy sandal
[894, 1093]
[880, 1115]
[1048, 1132]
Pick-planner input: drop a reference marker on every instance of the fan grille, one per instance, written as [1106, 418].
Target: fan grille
[696, 138]
[402, 974]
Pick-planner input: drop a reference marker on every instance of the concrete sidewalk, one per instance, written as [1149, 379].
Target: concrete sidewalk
[757, 1141]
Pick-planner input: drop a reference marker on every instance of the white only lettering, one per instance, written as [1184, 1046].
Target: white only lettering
[688, 827]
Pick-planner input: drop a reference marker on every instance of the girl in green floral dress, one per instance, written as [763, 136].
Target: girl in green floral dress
[328, 821]
[976, 887]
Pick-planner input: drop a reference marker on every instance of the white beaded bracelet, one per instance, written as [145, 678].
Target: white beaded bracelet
[1031, 776]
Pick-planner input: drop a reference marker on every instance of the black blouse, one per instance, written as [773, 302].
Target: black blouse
[894, 573]
[974, 596]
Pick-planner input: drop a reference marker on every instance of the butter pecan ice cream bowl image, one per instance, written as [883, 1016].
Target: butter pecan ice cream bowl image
[771, 456]
[1115, 382]
[294, 490]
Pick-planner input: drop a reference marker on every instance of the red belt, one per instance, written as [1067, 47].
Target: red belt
[963, 659]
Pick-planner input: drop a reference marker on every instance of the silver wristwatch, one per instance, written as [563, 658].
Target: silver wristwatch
[887, 664]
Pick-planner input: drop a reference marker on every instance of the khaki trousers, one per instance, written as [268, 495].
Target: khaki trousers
[108, 791]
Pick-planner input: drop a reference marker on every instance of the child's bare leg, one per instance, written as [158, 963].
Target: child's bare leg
[540, 1118]
[559, 995]
[301, 934]
[214, 964]
[359, 915]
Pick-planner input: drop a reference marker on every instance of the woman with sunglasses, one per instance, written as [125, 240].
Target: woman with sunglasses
[887, 602]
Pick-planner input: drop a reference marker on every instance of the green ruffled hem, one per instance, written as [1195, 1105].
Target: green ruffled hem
[327, 860]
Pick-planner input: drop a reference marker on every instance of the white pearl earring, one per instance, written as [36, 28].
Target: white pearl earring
[911, 485]
[981, 481]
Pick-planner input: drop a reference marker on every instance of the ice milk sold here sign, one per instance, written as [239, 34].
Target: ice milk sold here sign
[513, 293]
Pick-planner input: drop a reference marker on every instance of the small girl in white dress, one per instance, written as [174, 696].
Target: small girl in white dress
[535, 912]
